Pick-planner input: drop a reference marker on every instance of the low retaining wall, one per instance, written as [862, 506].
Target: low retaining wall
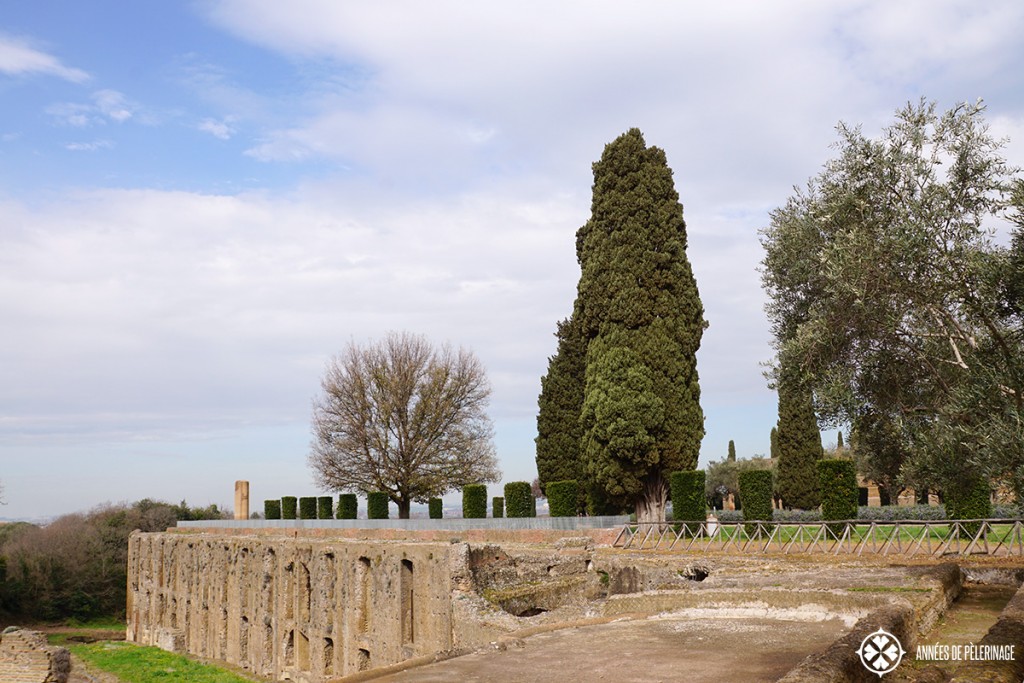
[25, 657]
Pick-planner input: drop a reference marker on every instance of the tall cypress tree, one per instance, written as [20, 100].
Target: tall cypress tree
[731, 457]
[559, 436]
[640, 313]
[774, 443]
[799, 443]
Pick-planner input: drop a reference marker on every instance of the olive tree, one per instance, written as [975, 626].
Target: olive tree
[888, 291]
[403, 417]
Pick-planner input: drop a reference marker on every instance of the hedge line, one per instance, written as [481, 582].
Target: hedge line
[377, 505]
[474, 501]
[348, 506]
[563, 498]
[519, 499]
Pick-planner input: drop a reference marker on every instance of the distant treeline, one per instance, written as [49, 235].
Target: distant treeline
[76, 566]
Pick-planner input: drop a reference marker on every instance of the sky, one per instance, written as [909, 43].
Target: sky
[202, 202]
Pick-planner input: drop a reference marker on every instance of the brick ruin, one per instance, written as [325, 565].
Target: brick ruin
[302, 609]
[25, 657]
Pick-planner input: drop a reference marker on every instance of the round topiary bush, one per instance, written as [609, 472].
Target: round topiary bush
[272, 509]
[348, 506]
[324, 507]
[474, 501]
[307, 507]
[971, 500]
[519, 499]
[377, 505]
[497, 507]
[288, 507]
[436, 508]
[563, 498]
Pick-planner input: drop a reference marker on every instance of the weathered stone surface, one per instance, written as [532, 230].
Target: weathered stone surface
[25, 657]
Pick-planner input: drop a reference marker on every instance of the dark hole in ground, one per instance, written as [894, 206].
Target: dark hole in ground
[531, 612]
[696, 573]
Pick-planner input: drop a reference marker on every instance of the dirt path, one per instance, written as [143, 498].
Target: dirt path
[645, 651]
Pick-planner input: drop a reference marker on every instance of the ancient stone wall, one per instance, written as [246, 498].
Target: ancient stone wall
[25, 657]
[301, 609]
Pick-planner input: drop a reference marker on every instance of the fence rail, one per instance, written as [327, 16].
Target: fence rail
[851, 537]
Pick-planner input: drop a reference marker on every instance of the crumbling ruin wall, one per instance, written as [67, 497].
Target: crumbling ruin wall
[25, 657]
[291, 608]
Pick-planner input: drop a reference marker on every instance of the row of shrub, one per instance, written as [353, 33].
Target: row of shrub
[313, 507]
[888, 513]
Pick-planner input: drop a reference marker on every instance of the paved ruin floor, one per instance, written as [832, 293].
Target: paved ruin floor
[643, 651]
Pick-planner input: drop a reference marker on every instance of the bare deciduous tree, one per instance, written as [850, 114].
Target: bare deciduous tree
[403, 417]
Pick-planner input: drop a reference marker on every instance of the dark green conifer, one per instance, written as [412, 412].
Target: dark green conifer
[839, 441]
[559, 434]
[640, 314]
[732, 451]
[774, 439]
[799, 444]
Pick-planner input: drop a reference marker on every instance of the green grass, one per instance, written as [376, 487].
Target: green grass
[137, 664]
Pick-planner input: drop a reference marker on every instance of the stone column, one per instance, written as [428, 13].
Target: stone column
[241, 499]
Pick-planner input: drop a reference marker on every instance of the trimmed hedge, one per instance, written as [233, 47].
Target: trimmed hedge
[436, 508]
[497, 507]
[348, 506]
[288, 507]
[519, 499]
[756, 492]
[837, 481]
[971, 501]
[307, 507]
[474, 501]
[563, 498]
[377, 505]
[272, 509]
[688, 496]
[324, 507]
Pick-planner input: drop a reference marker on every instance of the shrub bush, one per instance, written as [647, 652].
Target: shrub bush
[272, 509]
[1006, 512]
[497, 507]
[688, 497]
[756, 492]
[474, 501]
[519, 499]
[563, 498]
[837, 481]
[348, 506]
[324, 507]
[436, 508]
[377, 505]
[307, 507]
[892, 513]
[971, 501]
[288, 507]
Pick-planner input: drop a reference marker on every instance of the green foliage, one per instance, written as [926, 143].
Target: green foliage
[474, 501]
[839, 441]
[272, 509]
[307, 507]
[971, 499]
[887, 288]
[722, 478]
[799, 443]
[497, 507]
[563, 498]
[640, 315]
[435, 507]
[756, 492]
[838, 485]
[519, 499]
[774, 442]
[289, 507]
[403, 417]
[139, 664]
[559, 434]
[348, 506]
[324, 507]
[377, 505]
[880, 449]
[688, 495]
[731, 457]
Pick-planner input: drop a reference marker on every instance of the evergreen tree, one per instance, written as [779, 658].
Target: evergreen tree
[732, 451]
[559, 435]
[774, 439]
[839, 441]
[799, 443]
[640, 313]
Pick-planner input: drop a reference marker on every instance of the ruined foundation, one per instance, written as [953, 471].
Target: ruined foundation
[25, 657]
[291, 609]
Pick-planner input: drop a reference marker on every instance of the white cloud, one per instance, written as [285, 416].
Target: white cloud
[113, 105]
[219, 129]
[18, 57]
[89, 146]
[106, 106]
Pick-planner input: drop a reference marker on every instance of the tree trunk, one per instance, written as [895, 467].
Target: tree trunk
[403, 508]
[650, 507]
